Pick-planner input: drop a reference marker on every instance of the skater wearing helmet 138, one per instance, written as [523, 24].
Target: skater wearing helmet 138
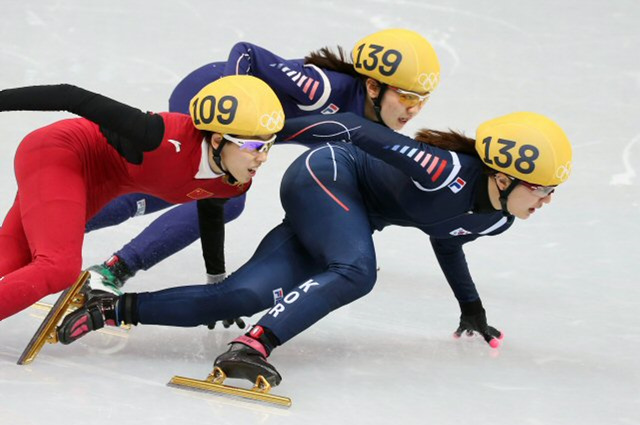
[453, 188]
[389, 79]
[70, 169]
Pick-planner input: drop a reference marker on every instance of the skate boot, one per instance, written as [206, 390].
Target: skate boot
[247, 359]
[100, 310]
[108, 277]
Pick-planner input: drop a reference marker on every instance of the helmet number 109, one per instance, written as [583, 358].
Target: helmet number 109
[525, 163]
[204, 111]
[390, 59]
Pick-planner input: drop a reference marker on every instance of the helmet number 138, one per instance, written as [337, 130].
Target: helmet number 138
[524, 163]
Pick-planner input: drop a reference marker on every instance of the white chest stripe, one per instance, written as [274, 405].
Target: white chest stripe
[455, 169]
[325, 93]
[500, 223]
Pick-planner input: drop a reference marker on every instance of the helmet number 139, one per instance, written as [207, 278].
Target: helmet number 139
[390, 59]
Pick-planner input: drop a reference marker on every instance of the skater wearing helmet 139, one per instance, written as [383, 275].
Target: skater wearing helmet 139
[389, 79]
[452, 188]
[67, 171]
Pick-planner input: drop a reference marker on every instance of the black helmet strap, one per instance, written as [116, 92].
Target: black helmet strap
[378, 101]
[217, 159]
[504, 194]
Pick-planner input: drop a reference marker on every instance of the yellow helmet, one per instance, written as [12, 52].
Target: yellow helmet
[527, 146]
[237, 104]
[400, 58]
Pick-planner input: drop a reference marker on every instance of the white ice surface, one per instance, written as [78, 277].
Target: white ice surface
[563, 285]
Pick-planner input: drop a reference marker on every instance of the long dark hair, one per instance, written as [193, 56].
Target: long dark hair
[451, 141]
[328, 59]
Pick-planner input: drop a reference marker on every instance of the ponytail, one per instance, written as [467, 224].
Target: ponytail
[326, 58]
[451, 141]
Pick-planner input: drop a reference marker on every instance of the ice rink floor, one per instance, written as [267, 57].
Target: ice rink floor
[562, 286]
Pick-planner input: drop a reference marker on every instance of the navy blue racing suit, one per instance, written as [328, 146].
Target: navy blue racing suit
[302, 90]
[363, 178]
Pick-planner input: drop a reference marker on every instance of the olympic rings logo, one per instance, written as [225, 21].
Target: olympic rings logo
[563, 171]
[273, 121]
[428, 81]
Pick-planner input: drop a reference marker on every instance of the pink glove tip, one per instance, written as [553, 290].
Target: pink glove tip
[501, 337]
[455, 336]
[494, 343]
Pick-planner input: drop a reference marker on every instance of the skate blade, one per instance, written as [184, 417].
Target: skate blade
[47, 307]
[46, 333]
[214, 383]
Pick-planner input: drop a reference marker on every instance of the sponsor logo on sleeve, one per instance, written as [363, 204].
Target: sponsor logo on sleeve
[457, 185]
[331, 109]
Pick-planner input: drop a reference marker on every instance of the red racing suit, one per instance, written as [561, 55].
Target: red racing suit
[67, 171]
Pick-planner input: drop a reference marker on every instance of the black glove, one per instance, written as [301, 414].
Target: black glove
[474, 319]
[229, 322]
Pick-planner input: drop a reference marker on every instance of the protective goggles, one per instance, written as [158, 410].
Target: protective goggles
[251, 144]
[409, 98]
[539, 191]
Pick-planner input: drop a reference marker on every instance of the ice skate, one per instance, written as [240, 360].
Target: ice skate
[71, 297]
[242, 362]
[100, 310]
[105, 278]
[109, 276]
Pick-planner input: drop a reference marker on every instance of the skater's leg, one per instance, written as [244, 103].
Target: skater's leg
[321, 198]
[173, 231]
[168, 234]
[325, 209]
[53, 221]
[256, 286]
[234, 207]
[14, 248]
[125, 207]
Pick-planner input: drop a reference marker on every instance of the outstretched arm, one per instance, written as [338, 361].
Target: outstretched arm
[128, 129]
[473, 317]
[429, 166]
[454, 265]
[307, 85]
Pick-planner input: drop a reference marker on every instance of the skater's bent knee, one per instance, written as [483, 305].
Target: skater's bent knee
[59, 274]
[361, 274]
[233, 208]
